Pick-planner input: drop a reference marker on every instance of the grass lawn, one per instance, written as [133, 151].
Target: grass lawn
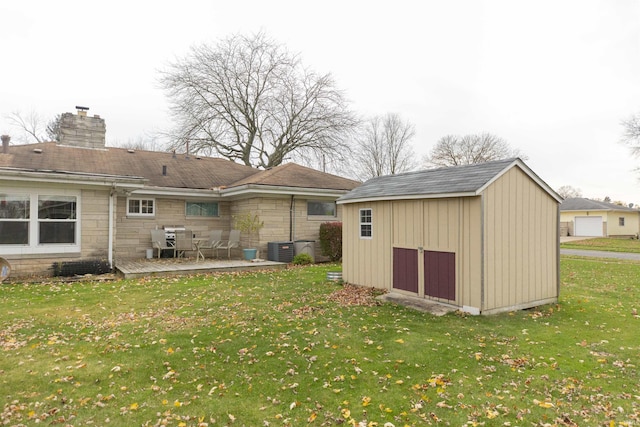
[605, 244]
[272, 349]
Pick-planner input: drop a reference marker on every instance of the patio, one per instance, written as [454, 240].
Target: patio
[181, 266]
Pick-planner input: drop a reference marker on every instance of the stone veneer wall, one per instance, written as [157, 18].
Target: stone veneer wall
[94, 207]
[133, 234]
[277, 223]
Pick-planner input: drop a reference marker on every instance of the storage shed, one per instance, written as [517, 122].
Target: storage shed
[483, 237]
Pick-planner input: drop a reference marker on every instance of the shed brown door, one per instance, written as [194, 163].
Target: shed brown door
[405, 269]
[440, 274]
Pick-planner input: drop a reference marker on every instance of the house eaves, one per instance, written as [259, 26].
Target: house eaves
[252, 190]
[75, 178]
[578, 204]
[408, 197]
[179, 192]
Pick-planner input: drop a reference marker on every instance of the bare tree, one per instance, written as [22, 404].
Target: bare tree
[453, 150]
[31, 127]
[569, 192]
[249, 100]
[142, 143]
[384, 147]
[53, 128]
[631, 135]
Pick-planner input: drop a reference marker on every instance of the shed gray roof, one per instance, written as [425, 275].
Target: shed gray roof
[453, 181]
[582, 204]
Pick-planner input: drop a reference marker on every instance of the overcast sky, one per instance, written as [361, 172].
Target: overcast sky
[553, 78]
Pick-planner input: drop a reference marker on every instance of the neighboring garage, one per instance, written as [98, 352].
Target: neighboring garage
[588, 226]
[483, 238]
[594, 218]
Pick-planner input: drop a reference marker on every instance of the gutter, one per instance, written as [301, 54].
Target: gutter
[406, 197]
[276, 190]
[71, 178]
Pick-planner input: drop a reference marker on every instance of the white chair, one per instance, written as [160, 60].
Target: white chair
[233, 242]
[215, 240]
[184, 242]
[159, 242]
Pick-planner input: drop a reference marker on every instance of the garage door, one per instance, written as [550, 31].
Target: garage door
[588, 226]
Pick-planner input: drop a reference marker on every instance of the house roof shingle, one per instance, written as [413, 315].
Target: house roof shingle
[432, 182]
[188, 172]
[294, 175]
[582, 204]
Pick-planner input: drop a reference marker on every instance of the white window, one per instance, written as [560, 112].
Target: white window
[14, 219]
[318, 208]
[57, 219]
[366, 223]
[39, 223]
[140, 207]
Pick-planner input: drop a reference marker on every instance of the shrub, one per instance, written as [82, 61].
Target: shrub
[331, 240]
[78, 268]
[302, 259]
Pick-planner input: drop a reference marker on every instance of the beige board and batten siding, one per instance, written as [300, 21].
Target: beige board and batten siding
[367, 261]
[520, 243]
[446, 225]
[505, 241]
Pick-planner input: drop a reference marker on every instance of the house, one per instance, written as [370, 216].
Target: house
[79, 200]
[593, 218]
[482, 238]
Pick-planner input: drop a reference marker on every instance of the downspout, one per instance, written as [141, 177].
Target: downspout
[291, 218]
[558, 253]
[110, 250]
[482, 253]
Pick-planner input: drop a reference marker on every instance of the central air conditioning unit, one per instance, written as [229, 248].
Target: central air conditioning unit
[280, 251]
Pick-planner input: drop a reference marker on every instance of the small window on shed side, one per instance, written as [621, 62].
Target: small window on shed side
[366, 223]
[621, 221]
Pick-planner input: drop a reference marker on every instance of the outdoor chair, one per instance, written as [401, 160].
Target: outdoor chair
[184, 242]
[159, 242]
[215, 240]
[233, 242]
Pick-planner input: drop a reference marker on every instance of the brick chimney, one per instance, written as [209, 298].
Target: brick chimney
[5, 143]
[80, 130]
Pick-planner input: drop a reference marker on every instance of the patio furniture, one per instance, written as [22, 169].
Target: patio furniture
[233, 242]
[214, 240]
[184, 242]
[159, 242]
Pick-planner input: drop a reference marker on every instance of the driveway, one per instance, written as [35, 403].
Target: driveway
[595, 254]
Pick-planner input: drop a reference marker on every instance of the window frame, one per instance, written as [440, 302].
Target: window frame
[42, 222]
[141, 214]
[323, 217]
[26, 219]
[186, 209]
[33, 247]
[364, 225]
[620, 221]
